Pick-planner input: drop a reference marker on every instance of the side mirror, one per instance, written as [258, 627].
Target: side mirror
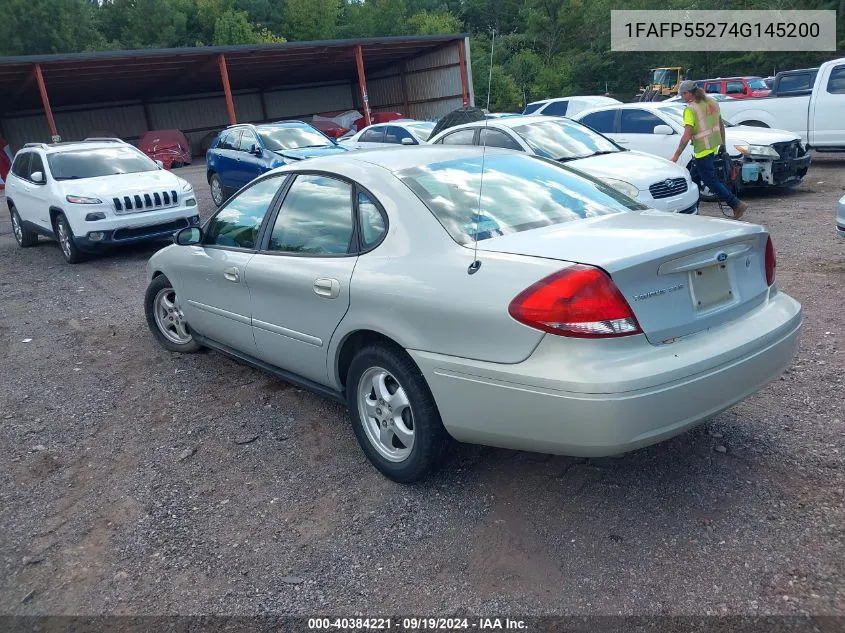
[408, 141]
[255, 150]
[37, 177]
[189, 236]
[663, 129]
[160, 164]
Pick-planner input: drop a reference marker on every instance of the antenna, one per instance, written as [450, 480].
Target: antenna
[475, 265]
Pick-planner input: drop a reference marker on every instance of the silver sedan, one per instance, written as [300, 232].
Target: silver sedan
[446, 293]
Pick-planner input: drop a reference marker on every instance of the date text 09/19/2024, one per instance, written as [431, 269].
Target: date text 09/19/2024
[416, 624]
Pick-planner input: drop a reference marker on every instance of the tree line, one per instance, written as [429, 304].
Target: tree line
[543, 48]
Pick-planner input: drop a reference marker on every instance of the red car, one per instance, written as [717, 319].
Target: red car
[171, 147]
[736, 87]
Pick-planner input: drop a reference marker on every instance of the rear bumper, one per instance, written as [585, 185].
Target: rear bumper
[594, 398]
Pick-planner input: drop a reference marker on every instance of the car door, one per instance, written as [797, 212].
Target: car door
[228, 153]
[604, 122]
[397, 135]
[827, 100]
[300, 278]
[636, 131]
[214, 294]
[250, 166]
[20, 188]
[491, 137]
[39, 192]
[372, 137]
[465, 136]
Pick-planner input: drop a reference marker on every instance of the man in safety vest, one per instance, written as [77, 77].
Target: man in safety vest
[703, 125]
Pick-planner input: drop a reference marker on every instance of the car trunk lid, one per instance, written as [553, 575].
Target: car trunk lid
[680, 275]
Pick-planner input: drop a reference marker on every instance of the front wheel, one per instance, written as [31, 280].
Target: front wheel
[165, 318]
[394, 415]
[64, 235]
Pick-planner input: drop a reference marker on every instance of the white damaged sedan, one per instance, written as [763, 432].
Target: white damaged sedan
[559, 316]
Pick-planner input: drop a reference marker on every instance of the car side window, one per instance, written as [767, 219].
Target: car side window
[237, 224]
[20, 167]
[373, 135]
[637, 121]
[836, 81]
[497, 138]
[713, 88]
[556, 108]
[461, 137]
[602, 122]
[315, 218]
[36, 165]
[735, 88]
[371, 221]
[395, 134]
[247, 140]
[231, 140]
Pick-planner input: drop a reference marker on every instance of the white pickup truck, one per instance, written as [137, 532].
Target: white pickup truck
[817, 117]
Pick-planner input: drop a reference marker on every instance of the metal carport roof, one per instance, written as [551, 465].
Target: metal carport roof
[84, 78]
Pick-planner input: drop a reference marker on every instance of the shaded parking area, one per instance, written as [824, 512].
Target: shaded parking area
[139, 481]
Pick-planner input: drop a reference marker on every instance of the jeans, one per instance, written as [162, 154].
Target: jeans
[706, 166]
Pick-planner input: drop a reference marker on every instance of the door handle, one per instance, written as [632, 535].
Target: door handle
[232, 274]
[325, 287]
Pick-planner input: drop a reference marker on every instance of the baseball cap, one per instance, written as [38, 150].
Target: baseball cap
[687, 85]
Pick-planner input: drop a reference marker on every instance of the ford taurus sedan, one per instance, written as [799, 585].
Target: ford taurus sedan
[535, 308]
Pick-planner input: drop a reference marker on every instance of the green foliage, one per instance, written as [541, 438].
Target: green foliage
[311, 19]
[544, 48]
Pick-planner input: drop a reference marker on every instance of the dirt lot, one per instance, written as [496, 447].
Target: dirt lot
[138, 481]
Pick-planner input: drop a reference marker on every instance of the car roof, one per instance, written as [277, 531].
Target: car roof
[653, 105]
[69, 146]
[588, 98]
[508, 121]
[393, 160]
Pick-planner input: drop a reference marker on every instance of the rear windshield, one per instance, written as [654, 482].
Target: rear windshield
[91, 163]
[290, 137]
[520, 193]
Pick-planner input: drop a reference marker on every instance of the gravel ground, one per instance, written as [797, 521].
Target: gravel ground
[136, 481]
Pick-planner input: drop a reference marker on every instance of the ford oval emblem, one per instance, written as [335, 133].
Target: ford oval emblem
[721, 257]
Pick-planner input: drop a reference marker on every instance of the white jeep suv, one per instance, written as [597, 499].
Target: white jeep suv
[95, 193]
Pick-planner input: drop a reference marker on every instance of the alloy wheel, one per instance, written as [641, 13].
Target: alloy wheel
[385, 411]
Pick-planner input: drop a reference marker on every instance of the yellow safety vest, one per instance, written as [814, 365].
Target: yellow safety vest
[707, 131]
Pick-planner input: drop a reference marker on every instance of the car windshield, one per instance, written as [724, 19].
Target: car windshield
[562, 139]
[676, 113]
[757, 84]
[91, 163]
[520, 192]
[421, 130]
[292, 137]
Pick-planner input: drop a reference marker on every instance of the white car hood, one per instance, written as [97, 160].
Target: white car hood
[638, 168]
[107, 187]
[757, 135]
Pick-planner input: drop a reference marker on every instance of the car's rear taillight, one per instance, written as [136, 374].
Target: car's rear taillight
[580, 301]
[771, 261]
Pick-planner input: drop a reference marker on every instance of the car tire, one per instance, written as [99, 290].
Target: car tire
[23, 236]
[65, 237]
[406, 413]
[218, 191]
[165, 318]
